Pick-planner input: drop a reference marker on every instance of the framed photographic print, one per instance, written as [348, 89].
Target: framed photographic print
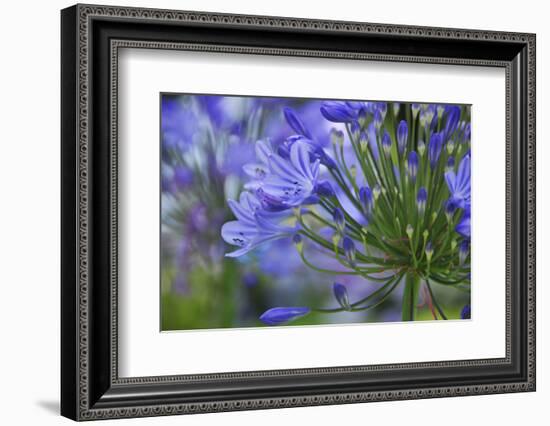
[263, 212]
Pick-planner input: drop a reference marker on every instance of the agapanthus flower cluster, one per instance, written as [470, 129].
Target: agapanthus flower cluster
[392, 189]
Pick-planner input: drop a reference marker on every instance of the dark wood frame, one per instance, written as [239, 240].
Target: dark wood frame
[90, 38]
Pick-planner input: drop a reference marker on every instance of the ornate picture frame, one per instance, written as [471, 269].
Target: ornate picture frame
[91, 37]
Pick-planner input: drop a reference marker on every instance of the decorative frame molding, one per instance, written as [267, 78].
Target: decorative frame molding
[91, 38]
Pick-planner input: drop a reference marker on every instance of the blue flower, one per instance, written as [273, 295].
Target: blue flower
[402, 134]
[459, 183]
[278, 316]
[341, 295]
[253, 226]
[466, 312]
[324, 189]
[434, 149]
[292, 180]
[339, 220]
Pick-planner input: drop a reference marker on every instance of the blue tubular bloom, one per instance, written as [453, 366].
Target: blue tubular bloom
[367, 201]
[402, 134]
[278, 316]
[463, 227]
[349, 250]
[386, 143]
[252, 227]
[339, 220]
[412, 165]
[466, 312]
[421, 199]
[294, 122]
[341, 295]
[459, 183]
[434, 149]
[338, 112]
[463, 250]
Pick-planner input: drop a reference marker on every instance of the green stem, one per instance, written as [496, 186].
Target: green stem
[410, 296]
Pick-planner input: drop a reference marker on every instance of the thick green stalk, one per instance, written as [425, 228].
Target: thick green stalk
[410, 296]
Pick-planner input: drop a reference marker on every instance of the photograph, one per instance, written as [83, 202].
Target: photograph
[295, 211]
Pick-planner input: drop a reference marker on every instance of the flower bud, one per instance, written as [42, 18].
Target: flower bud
[339, 220]
[429, 251]
[298, 242]
[367, 200]
[355, 129]
[341, 295]
[278, 316]
[421, 147]
[362, 117]
[409, 230]
[412, 165]
[396, 106]
[463, 250]
[450, 164]
[336, 137]
[349, 250]
[386, 143]
[376, 191]
[402, 135]
[421, 199]
[324, 189]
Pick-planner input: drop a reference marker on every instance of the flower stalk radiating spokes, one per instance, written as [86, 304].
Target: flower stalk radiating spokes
[396, 207]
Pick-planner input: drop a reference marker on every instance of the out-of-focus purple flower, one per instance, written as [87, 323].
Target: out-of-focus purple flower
[278, 316]
[183, 177]
[434, 149]
[459, 183]
[341, 295]
[466, 312]
[250, 279]
[178, 124]
[402, 134]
